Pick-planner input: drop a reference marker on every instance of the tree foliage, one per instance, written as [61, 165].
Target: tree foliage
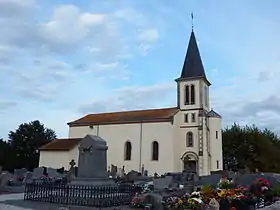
[23, 144]
[252, 148]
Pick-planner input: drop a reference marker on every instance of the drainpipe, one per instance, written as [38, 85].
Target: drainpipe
[140, 149]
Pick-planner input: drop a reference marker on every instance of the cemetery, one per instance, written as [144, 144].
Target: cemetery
[98, 187]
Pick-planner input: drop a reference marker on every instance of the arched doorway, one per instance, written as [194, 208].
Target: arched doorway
[190, 162]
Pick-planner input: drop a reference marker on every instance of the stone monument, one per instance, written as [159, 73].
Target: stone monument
[92, 162]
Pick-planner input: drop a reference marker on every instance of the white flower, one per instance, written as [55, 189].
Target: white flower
[195, 193]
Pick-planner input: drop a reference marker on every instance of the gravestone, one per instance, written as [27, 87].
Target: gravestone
[72, 164]
[146, 173]
[92, 164]
[28, 177]
[1, 170]
[247, 179]
[114, 170]
[123, 171]
[142, 169]
[60, 170]
[53, 174]
[163, 183]
[119, 172]
[72, 173]
[19, 174]
[5, 177]
[38, 172]
[211, 180]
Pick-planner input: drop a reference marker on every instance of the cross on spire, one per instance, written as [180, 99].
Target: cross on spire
[192, 20]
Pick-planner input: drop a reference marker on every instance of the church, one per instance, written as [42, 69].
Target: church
[188, 136]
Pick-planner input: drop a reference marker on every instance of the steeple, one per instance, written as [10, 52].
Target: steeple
[193, 66]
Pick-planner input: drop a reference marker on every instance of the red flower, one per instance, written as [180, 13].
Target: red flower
[242, 197]
[263, 181]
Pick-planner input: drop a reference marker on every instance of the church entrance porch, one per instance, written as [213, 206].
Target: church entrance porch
[190, 165]
[190, 162]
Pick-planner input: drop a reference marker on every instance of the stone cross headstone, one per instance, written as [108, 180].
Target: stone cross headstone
[92, 158]
[146, 173]
[72, 164]
[123, 171]
[142, 169]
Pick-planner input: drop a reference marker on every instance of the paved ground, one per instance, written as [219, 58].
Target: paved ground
[16, 202]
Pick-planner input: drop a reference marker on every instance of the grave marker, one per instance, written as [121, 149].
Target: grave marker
[38, 172]
[92, 164]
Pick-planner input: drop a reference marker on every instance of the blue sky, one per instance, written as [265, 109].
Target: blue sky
[60, 59]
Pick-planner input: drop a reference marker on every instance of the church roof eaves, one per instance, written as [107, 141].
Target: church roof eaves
[212, 113]
[127, 117]
[61, 144]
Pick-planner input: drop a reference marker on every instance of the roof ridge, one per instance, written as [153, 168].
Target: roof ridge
[129, 116]
[134, 110]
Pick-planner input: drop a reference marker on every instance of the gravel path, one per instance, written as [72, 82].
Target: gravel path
[16, 202]
[9, 198]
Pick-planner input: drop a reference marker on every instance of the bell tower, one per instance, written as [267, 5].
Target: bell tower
[193, 101]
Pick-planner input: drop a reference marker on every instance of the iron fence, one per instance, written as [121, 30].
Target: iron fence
[82, 195]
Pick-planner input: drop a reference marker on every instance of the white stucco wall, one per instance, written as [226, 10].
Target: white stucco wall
[117, 134]
[58, 159]
[216, 146]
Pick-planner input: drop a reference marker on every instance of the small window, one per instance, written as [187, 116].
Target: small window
[127, 150]
[189, 140]
[217, 164]
[187, 95]
[217, 134]
[193, 117]
[186, 118]
[155, 150]
[192, 94]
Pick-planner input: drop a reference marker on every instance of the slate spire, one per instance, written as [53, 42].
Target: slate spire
[193, 66]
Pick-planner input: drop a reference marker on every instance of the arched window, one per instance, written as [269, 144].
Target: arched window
[127, 150]
[187, 95]
[192, 94]
[155, 150]
[189, 140]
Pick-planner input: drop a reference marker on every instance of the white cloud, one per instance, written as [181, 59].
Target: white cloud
[133, 97]
[32, 49]
[70, 25]
[148, 35]
[129, 15]
[4, 104]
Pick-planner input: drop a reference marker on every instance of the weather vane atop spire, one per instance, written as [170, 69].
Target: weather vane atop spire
[192, 20]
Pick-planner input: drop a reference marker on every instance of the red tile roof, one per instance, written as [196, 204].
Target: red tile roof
[137, 116]
[61, 144]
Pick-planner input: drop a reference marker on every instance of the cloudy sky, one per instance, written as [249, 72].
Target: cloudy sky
[61, 59]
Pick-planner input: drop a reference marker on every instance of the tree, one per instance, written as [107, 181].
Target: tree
[26, 140]
[252, 148]
[7, 159]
